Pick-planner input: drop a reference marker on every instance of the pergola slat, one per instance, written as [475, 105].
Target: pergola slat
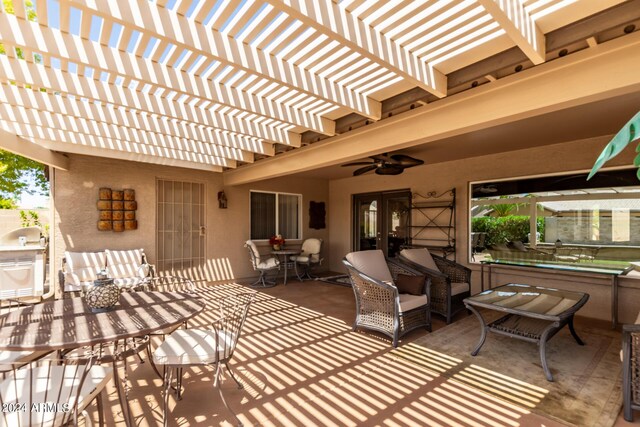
[171, 27]
[65, 46]
[64, 82]
[104, 130]
[98, 144]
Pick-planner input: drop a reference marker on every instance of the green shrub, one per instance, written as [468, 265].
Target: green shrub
[505, 229]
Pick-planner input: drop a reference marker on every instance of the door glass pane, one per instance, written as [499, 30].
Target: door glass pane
[368, 222]
[397, 222]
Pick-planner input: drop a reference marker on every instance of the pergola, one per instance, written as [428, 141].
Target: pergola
[216, 84]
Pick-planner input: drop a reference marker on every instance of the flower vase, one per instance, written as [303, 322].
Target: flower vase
[276, 247]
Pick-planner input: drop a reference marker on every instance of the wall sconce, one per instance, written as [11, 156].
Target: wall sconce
[222, 200]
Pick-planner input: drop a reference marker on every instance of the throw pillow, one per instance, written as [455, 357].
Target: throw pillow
[413, 285]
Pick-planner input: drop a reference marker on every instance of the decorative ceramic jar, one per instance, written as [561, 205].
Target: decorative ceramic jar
[276, 247]
[103, 294]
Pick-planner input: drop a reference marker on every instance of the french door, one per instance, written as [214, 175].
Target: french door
[381, 221]
[180, 227]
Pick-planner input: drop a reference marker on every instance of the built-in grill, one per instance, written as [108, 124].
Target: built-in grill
[21, 263]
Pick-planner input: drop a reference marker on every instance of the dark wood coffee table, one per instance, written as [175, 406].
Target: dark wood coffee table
[534, 314]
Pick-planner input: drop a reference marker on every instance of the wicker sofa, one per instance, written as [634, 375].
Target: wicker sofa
[379, 304]
[631, 368]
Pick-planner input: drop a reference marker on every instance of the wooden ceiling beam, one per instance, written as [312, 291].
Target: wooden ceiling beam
[553, 86]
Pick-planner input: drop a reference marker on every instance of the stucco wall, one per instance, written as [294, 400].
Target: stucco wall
[76, 193]
[574, 156]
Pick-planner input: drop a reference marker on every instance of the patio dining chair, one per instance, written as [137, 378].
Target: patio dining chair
[51, 392]
[205, 347]
[391, 297]
[262, 265]
[18, 357]
[308, 258]
[166, 284]
[450, 281]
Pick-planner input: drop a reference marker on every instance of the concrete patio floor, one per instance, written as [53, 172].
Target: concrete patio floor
[302, 365]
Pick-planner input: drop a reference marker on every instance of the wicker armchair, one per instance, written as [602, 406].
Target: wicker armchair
[631, 368]
[379, 305]
[450, 281]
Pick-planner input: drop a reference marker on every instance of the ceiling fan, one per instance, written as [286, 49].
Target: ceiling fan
[385, 164]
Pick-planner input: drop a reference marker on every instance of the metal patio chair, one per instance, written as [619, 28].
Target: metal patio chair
[51, 392]
[210, 347]
[262, 265]
[308, 258]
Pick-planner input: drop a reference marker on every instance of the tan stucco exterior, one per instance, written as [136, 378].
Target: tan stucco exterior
[76, 193]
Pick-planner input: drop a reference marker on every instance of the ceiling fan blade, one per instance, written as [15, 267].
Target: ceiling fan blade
[389, 170]
[364, 170]
[357, 164]
[406, 161]
[384, 157]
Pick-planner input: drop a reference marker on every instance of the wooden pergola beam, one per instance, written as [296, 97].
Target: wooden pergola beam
[519, 26]
[11, 142]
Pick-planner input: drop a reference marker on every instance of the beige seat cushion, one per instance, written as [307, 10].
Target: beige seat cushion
[7, 358]
[421, 257]
[269, 263]
[82, 268]
[192, 346]
[42, 384]
[409, 302]
[458, 288]
[371, 263]
[126, 264]
[309, 252]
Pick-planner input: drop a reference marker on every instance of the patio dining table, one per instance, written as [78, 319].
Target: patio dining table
[285, 253]
[70, 324]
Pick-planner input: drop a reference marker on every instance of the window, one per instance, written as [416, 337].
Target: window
[275, 213]
[574, 220]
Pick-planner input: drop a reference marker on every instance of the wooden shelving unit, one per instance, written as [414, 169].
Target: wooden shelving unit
[433, 219]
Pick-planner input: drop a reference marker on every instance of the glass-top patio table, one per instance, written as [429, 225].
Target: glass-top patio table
[613, 272]
[69, 324]
[533, 314]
